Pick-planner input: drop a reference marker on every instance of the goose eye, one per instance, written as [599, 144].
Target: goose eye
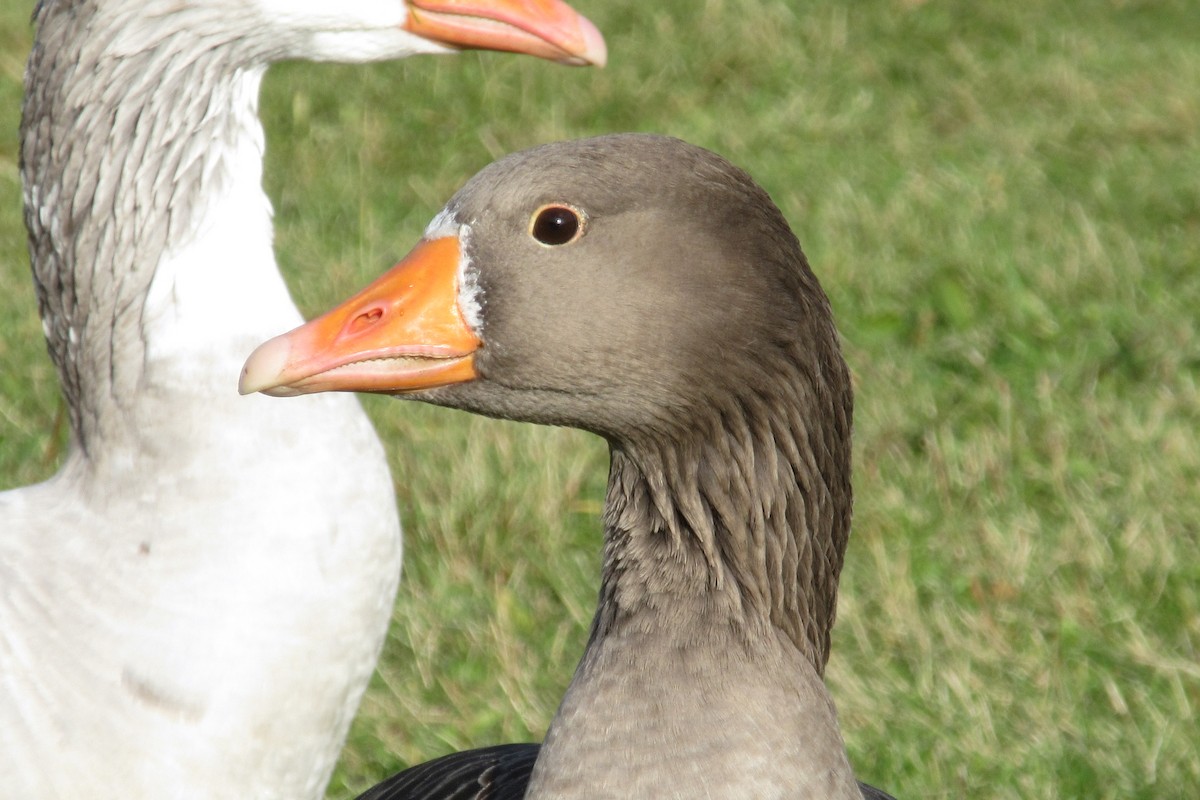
[553, 225]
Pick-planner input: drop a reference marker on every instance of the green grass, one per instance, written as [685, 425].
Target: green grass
[1003, 202]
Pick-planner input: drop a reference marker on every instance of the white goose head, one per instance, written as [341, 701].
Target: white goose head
[349, 31]
[140, 138]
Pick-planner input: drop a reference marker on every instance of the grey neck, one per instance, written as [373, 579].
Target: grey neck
[746, 521]
[128, 125]
[702, 676]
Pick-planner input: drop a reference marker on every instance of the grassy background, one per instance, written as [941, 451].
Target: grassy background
[1003, 202]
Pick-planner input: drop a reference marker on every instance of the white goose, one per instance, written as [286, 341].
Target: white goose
[192, 606]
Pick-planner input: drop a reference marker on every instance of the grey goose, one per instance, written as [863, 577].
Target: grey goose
[648, 291]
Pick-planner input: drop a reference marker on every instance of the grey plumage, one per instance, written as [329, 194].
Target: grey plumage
[687, 328]
[707, 357]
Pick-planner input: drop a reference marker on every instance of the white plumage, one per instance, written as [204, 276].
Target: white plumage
[192, 606]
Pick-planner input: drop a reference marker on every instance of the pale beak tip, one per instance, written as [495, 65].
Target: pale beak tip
[264, 368]
[595, 51]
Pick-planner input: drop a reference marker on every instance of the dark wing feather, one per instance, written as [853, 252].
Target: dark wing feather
[489, 773]
[871, 793]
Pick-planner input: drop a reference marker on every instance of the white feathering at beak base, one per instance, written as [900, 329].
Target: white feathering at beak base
[470, 294]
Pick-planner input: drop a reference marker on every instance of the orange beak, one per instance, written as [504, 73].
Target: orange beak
[402, 333]
[544, 28]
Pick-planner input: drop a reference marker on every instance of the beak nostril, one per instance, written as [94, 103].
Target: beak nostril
[366, 320]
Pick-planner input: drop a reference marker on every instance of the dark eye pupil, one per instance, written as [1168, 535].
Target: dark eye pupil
[555, 225]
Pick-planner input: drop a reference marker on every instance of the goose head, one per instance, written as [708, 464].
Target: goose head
[140, 131]
[347, 30]
[620, 284]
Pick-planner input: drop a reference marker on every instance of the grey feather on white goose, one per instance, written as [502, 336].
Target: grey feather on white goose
[193, 604]
[650, 292]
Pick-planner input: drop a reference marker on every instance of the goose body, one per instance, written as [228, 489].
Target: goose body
[191, 607]
[647, 291]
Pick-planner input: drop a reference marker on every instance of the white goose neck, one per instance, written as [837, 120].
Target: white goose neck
[142, 164]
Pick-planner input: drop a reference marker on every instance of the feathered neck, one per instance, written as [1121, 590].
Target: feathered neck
[131, 128]
[745, 521]
[723, 546]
